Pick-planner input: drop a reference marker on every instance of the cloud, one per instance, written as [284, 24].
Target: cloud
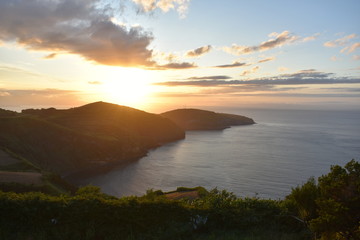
[82, 27]
[50, 56]
[235, 64]
[266, 59]
[5, 69]
[199, 51]
[340, 42]
[303, 77]
[216, 77]
[311, 38]
[356, 57]
[44, 97]
[282, 69]
[183, 65]
[4, 94]
[95, 82]
[160, 56]
[305, 74]
[250, 71]
[181, 6]
[351, 48]
[334, 58]
[279, 40]
[14, 73]
[344, 42]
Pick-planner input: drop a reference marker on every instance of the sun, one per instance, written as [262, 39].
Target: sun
[127, 86]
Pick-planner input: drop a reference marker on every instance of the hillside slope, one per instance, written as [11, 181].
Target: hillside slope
[94, 136]
[196, 119]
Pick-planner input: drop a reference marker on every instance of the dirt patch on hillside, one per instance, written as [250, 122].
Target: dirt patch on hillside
[180, 195]
[21, 177]
[7, 159]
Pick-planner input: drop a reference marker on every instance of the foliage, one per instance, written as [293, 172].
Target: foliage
[90, 214]
[302, 201]
[59, 182]
[331, 207]
[23, 188]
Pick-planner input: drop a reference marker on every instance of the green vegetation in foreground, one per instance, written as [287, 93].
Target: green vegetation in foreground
[328, 209]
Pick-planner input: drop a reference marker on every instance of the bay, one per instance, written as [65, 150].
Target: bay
[264, 160]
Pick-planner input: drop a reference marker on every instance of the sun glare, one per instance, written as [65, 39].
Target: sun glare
[127, 86]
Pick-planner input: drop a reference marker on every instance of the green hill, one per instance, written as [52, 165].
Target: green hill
[196, 119]
[90, 138]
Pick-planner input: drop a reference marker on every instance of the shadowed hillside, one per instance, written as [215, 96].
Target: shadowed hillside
[195, 119]
[7, 113]
[92, 137]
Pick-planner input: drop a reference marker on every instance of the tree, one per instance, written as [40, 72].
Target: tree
[302, 201]
[339, 202]
[331, 208]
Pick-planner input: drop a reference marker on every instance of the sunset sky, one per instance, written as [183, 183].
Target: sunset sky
[158, 55]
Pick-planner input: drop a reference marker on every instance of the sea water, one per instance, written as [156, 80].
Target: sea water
[284, 149]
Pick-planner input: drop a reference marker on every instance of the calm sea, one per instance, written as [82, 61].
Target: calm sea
[281, 151]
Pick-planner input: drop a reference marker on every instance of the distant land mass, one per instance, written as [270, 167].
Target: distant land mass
[96, 137]
[196, 119]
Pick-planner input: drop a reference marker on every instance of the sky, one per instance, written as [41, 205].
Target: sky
[158, 55]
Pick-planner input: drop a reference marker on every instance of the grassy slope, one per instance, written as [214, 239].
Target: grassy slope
[195, 119]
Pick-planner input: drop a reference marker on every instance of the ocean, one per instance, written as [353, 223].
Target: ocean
[284, 149]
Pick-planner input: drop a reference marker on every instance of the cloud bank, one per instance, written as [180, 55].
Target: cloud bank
[216, 77]
[303, 77]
